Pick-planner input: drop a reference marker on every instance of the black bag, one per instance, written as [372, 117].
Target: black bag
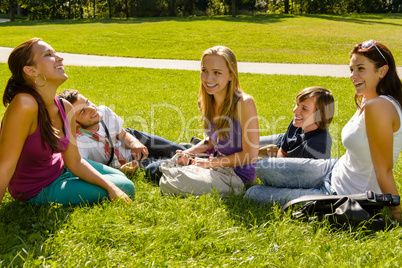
[346, 209]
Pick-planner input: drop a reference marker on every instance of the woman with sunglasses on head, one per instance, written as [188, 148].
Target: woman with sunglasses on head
[39, 158]
[372, 137]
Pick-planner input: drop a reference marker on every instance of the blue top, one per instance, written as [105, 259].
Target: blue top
[231, 145]
[313, 144]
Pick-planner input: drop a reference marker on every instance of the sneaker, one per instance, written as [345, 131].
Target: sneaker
[194, 140]
[186, 145]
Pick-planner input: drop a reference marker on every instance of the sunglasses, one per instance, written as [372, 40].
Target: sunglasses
[372, 43]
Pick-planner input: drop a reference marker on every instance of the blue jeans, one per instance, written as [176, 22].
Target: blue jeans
[288, 178]
[152, 171]
[271, 139]
[68, 189]
[158, 147]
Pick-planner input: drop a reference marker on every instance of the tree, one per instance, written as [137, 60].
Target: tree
[11, 10]
[127, 10]
[189, 7]
[172, 7]
[286, 3]
[110, 8]
[233, 8]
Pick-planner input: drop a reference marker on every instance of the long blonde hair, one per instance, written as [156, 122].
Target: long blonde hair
[234, 92]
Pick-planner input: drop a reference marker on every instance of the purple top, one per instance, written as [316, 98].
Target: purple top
[232, 145]
[38, 167]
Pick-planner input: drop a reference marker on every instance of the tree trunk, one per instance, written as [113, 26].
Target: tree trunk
[172, 7]
[233, 8]
[81, 11]
[301, 6]
[110, 8]
[189, 7]
[11, 10]
[69, 10]
[94, 2]
[127, 11]
[286, 6]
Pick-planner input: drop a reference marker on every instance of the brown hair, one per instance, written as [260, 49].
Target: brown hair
[22, 56]
[233, 93]
[324, 105]
[70, 95]
[390, 84]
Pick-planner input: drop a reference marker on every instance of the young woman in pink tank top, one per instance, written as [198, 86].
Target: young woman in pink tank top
[38, 163]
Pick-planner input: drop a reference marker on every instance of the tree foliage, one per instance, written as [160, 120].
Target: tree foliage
[73, 9]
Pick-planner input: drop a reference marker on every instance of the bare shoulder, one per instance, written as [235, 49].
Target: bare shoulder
[22, 111]
[380, 107]
[246, 107]
[378, 101]
[23, 103]
[381, 113]
[246, 100]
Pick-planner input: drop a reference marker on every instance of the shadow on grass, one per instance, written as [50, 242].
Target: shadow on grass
[361, 19]
[262, 19]
[250, 214]
[25, 227]
[258, 19]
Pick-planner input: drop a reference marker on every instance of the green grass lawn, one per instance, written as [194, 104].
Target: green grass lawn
[264, 38]
[159, 231]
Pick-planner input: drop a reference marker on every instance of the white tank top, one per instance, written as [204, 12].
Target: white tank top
[354, 172]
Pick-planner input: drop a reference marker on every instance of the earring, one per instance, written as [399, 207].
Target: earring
[44, 78]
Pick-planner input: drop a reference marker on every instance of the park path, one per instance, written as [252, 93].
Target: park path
[244, 67]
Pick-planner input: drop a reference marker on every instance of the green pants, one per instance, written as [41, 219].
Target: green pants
[71, 190]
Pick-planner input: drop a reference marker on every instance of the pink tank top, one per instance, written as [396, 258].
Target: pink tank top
[38, 167]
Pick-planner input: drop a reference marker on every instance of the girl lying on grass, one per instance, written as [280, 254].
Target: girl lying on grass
[39, 158]
[231, 126]
[372, 137]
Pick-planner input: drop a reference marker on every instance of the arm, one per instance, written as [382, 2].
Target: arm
[382, 120]
[138, 150]
[186, 156]
[283, 142]
[247, 114]
[80, 168]
[281, 153]
[20, 120]
[270, 150]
